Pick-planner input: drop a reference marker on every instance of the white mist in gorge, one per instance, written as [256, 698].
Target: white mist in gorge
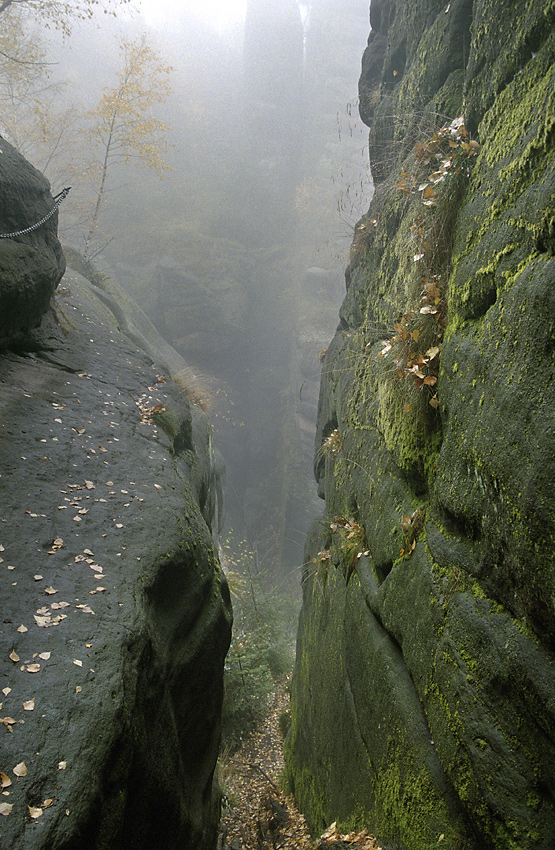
[220, 14]
[217, 166]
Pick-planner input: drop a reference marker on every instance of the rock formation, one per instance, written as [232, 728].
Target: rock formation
[115, 613]
[424, 688]
[32, 264]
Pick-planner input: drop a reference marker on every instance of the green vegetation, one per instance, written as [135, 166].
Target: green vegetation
[261, 650]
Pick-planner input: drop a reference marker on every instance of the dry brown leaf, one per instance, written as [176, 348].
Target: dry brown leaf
[6, 691]
[20, 769]
[8, 721]
[29, 705]
[22, 629]
[5, 808]
[34, 812]
[33, 668]
[13, 656]
[5, 780]
[45, 655]
[50, 591]
[62, 765]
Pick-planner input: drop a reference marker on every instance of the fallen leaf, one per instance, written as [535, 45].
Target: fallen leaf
[45, 655]
[37, 577]
[47, 803]
[50, 591]
[22, 629]
[158, 487]
[5, 780]
[20, 769]
[89, 485]
[34, 812]
[8, 721]
[13, 656]
[5, 808]
[62, 765]
[29, 705]
[33, 668]
[78, 689]
[6, 691]
[42, 621]
[88, 552]
[77, 662]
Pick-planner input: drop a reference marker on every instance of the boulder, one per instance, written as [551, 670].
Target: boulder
[31, 264]
[115, 613]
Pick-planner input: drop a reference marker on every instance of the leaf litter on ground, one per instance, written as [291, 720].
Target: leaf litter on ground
[258, 815]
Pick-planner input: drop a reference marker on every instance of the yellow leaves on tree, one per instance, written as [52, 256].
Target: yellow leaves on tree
[60, 13]
[124, 128]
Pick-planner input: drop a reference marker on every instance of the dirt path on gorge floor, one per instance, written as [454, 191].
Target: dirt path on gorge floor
[258, 815]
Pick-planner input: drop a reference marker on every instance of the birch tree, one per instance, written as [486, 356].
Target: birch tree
[60, 13]
[124, 128]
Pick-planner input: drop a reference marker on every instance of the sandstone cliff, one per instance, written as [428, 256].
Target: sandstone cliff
[115, 614]
[424, 688]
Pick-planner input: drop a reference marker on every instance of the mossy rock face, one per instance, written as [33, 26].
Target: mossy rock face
[423, 698]
[31, 265]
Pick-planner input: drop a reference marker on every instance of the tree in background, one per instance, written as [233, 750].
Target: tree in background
[59, 13]
[123, 128]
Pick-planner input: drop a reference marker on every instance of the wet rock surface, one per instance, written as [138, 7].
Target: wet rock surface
[32, 264]
[115, 616]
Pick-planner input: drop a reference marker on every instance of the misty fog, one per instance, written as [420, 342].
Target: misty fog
[231, 228]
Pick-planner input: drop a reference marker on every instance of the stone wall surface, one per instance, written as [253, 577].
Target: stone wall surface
[31, 265]
[424, 689]
[115, 614]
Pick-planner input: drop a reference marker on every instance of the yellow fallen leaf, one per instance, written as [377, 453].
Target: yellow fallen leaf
[37, 577]
[29, 705]
[89, 485]
[8, 721]
[50, 591]
[5, 780]
[47, 803]
[44, 655]
[13, 656]
[6, 691]
[62, 765]
[76, 661]
[33, 668]
[34, 812]
[22, 629]
[20, 769]
[5, 808]
[78, 689]
[42, 621]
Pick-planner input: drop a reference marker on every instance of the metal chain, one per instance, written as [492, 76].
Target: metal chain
[57, 201]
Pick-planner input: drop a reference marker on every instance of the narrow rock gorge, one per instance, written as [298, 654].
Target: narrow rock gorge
[423, 702]
[115, 614]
